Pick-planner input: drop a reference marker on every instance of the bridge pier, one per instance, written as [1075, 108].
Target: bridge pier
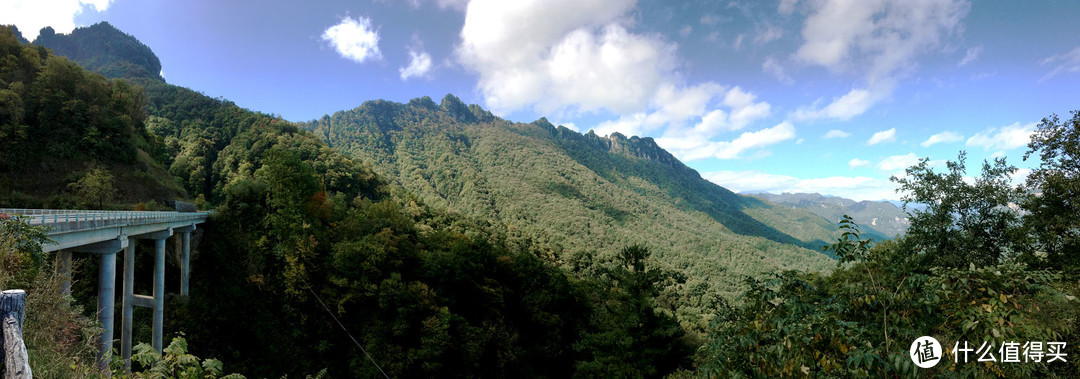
[185, 257]
[106, 293]
[128, 304]
[106, 233]
[64, 268]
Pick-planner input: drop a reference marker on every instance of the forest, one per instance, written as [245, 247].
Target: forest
[408, 224]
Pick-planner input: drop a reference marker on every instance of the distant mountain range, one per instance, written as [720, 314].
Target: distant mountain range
[884, 217]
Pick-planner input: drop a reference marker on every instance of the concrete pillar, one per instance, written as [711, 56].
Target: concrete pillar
[64, 268]
[106, 303]
[185, 262]
[159, 292]
[129, 304]
[106, 294]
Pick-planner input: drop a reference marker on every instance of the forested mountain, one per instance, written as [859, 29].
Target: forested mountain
[60, 123]
[452, 243]
[883, 217]
[427, 292]
[571, 193]
[103, 49]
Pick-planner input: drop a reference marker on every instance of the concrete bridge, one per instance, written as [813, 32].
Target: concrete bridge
[106, 233]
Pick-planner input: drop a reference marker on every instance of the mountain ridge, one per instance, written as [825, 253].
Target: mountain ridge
[883, 217]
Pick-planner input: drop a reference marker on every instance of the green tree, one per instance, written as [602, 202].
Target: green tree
[963, 223]
[96, 187]
[1053, 202]
[630, 333]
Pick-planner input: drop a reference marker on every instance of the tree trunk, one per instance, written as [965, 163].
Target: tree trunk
[12, 349]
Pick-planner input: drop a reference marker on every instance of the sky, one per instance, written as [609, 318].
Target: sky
[827, 96]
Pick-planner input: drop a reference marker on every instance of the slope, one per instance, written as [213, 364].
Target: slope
[429, 293]
[575, 194]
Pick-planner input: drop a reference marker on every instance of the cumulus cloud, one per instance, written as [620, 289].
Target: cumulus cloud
[857, 188]
[971, 55]
[355, 39]
[856, 162]
[419, 64]
[558, 55]
[879, 41]
[882, 137]
[1067, 62]
[836, 133]
[943, 137]
[32, 15]
[1004, 138]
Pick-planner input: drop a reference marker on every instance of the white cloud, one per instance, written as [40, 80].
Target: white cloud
[773, 67]
[1004, 138]
[32, 15]
[856, 162]
[852, 104]
[419, 64]
[882, 137]
[1067, 62]
[696, 114]
[688, 147]
[898, 162]
[943, 137]
[971, 55]
[836, 133]
[876, 40]
[564, 55]
[354, 39]
[857, 188]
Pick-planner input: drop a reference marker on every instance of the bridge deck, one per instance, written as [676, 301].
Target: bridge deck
[72, 228]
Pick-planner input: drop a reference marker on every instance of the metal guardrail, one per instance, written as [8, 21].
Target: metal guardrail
[97, 218]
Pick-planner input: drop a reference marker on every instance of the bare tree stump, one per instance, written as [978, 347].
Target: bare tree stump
[12, 348]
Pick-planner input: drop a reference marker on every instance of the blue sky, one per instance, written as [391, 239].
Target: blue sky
[829, 96]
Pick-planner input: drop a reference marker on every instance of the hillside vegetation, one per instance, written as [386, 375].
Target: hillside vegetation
[573, 193]
[449, 242]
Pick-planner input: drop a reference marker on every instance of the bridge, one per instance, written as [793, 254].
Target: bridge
[106, 233]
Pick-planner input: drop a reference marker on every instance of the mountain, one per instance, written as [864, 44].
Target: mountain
[103, 49]
[59, 123]
[574, 193]
[883, 217]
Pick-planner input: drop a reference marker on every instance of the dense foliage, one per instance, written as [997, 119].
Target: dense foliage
[970, 270]
[570, 194]
[467, 245]
[58, 120]
[425, 292]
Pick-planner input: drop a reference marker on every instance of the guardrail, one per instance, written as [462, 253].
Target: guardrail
[55, 216]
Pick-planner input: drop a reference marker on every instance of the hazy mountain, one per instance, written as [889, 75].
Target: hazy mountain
[881, 216]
